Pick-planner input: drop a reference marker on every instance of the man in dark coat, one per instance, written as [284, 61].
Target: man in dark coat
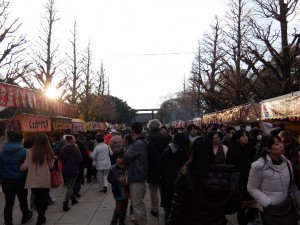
[157, 142]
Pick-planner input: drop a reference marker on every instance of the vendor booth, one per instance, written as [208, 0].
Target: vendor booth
[248, 113]
[283, 109]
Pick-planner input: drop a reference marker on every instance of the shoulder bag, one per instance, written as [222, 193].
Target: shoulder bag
[284, 213]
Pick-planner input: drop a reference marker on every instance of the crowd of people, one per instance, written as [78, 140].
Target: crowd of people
[198, 175]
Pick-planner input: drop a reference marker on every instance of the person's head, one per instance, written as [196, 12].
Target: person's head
[192, 130]
[222, 128]
[229, 132]
[287, 138]
[256, 133]
[154, 125]
[214, 137]
[202, 157]
[88, 137]
[275, 131]
[208, 130]
[164, 130]
[271, 145]
[13, 136]
[70, 139]
[136, 129]
[120, 157]
[42, 148]
[180, 130]
[243, 127]
[180, 140]
[128, 140]
[241, 137]
[100, 139]
[113, 132]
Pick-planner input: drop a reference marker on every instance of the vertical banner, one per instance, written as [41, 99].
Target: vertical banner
[3, 95]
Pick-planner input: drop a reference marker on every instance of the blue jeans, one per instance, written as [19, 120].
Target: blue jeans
[11, 188]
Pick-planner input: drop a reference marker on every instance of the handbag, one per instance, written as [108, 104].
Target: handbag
[56, 179]
[284, 213]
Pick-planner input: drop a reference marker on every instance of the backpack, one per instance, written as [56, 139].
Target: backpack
[222, 184]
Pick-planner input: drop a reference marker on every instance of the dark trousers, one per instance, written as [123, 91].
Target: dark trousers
[120, 212]
[41, 201]
[11, 188]
[246, 215]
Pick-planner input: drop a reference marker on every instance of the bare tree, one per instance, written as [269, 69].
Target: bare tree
[88, 81]
[72, 82]
[102, 85]
[276, 52]
[13, 67]
[234, 79]
[205, 73]
[45, 56]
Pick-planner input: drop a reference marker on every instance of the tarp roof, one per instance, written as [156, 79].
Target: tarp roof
[284, 106]
[247, 113]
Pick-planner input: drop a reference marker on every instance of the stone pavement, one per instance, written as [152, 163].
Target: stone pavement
[94, 208]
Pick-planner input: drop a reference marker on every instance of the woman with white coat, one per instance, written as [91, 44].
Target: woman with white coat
[271, 178]
[100, 156]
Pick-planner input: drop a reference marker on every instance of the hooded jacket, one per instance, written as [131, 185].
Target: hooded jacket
[269, 183]
[11, 158]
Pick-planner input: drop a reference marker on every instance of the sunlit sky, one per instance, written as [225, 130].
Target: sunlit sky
[134, 38]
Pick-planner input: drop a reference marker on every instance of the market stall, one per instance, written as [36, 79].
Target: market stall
[283, 109]
[248, 113]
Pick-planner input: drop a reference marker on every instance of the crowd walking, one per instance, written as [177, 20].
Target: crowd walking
[199, 175]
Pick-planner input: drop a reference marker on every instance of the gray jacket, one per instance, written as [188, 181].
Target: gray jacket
[136, 158]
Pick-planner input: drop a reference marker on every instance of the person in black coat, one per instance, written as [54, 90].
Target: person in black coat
[241, 154]
[194, 203]
[157, 142]
[172, 159]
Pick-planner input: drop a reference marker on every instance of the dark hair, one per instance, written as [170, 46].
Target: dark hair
[164, 127]
[180, 140]
[191, 127]
[288, 137]
[266, 143]
[100, 139]
[128, 138]
[254, 132]
[211, 135]
[14, 136]
[201, 159]
[238, 134]
[137, 128]
[229, 128]
[88, 137]
[120, 154]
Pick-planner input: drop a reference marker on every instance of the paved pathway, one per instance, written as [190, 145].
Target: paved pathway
[94, 208]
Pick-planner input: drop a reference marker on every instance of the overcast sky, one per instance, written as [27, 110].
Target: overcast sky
[146, 45]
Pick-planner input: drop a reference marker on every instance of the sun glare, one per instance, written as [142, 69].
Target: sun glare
[51, 92]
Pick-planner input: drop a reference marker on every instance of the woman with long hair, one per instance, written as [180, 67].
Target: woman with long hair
[271, 177]
[194, 201]
[171, 161]
[71, 159]
[38, 162]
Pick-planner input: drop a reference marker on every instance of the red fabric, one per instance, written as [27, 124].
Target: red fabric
[56, 179]
[107, 138]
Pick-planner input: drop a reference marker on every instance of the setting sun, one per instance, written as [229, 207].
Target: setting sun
[51, 92]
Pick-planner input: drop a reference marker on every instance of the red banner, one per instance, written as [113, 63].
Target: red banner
[13, 96]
